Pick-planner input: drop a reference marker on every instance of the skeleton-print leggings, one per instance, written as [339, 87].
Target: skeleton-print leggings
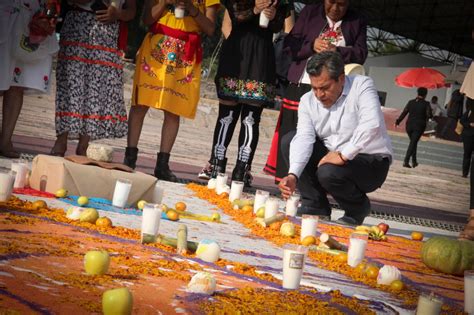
[249, 131]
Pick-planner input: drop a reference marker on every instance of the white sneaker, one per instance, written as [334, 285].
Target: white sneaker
[205, 173]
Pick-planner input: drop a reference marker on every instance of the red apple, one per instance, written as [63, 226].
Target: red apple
[383, 227]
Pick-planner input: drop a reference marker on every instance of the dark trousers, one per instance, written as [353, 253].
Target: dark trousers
[414, 135]
[471, 205]
[468, 144]
[348, 184]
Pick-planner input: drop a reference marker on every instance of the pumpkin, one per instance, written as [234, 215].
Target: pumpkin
[448, 255]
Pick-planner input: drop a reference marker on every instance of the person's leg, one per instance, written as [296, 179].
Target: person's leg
[169, 131]
[350, 183]
[468, 145]
[248, 141]
[135, 125]
[60, 145]
[82, 145]
[313, 197]
[416, 135]
[12, 104]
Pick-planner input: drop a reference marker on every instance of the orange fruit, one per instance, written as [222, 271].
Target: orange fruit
[103, 222]
[396, 285]
[180, 206]
[308, 240]
[372, 271]
[172, 215]
[417, 236]
[361, 267]
[38, 204]
[248, 208]
[342, 257]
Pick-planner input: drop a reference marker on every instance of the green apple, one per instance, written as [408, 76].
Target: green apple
[82, 201]
[96, 262]
[260, 212]
[141, 204]
[89, 215]
[117, 302]
[61, 193]
[216, 217]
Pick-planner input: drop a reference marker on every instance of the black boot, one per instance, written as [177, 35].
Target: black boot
[241, 173]
[218, 166]
[162, 169]
[130, 158]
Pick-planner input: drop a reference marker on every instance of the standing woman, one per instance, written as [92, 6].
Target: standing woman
[25, 62]
[168, 72]
[418, 111]
[89, 75]
[467, 136]
[245, 81]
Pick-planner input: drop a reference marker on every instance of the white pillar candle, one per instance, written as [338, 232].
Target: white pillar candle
[6, 185]
[21, 170]
[261, 197]
[292, 205]
[211, 184]
[179, 12]
[121, 192]
[158, 193]
[236, 189]
[271, 207]
[221, 183]
[469, 291]
[309, 225]
[428, 305]
[293, 264]
[150, 222]
[263, 20]
[356, 252]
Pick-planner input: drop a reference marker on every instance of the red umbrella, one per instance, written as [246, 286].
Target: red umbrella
[421, 77]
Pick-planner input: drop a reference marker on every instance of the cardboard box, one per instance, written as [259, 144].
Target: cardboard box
[50, 173]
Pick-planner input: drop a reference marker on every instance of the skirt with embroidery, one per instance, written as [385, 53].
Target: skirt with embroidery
[164, 79]
[246, 70]
[89, 76]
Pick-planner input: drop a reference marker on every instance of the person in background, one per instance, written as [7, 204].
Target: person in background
[454, 112]
[418, 111]
[89, 75]
[436, 108]
[467, 136]
[341, 146]
[245, 81]
[25, 62]
[168, 72]
[328, 26]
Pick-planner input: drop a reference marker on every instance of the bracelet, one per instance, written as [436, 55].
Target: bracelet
[197, 13]
[341, 157]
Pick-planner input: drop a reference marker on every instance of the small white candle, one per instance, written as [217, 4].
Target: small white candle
[121, 192]
[151, 221]
[261, 197]
[263, 20]
[221, 183]
[158, 193]
[357, 246]
[179, 12]
[428, 305]
[309, 225]
[6, 185]
[236, 189]
[21, 170]
[211, 184]
[271, 207]
[292, 205]
[293, 264]
[469, 291]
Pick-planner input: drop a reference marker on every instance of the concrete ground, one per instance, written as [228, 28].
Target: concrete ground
[427, 191]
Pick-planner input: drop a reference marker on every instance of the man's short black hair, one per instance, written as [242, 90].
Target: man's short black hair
[422, 91]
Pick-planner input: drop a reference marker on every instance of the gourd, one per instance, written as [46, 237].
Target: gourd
[448, 255]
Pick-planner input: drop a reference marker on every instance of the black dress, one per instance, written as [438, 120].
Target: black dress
[246, 71]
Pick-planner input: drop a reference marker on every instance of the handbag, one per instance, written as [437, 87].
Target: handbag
[459, 128]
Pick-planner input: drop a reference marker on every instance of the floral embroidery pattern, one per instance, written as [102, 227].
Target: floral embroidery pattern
[163, 88]
[246, 89]
[186, 79]
[169, 51]
[16, 75]
[147, 69]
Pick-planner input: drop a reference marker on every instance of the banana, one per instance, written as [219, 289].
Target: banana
[375, 229]
[362, 228]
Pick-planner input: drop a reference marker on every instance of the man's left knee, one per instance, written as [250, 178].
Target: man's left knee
[329, 175]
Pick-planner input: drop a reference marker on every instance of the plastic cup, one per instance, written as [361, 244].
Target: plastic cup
[292, 205]
[21, 170]
[7, 179]
[158, 193]
[469, 291]
[271, 207]
[356, 252]
[263, 21]
[179, 12]
[309, 225]
[236, 189]
[294, 257]
[150, 222]
[429, 304]
[121, 192]
[261, 197]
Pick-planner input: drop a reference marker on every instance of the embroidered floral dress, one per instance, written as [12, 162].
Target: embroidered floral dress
[168, 70]
[246, 71]
[33, 73]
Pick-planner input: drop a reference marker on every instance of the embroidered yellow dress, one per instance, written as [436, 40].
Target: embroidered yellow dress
[165, 77]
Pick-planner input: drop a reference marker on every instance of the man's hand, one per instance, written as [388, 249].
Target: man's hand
[332, 157]
[287, 186]
[321, 45]
[108, 16]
